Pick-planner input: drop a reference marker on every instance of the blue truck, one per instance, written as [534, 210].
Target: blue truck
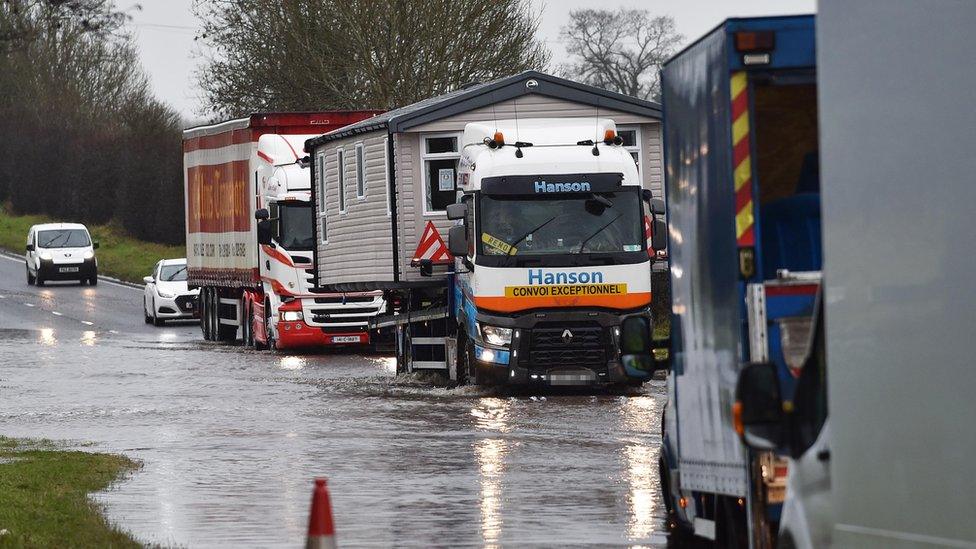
[743, 202]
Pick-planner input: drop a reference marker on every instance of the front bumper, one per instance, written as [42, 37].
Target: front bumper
[49, 270]
[298, 335]
[543, 353]
[181, 306]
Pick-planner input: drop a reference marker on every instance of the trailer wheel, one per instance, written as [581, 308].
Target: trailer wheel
[204, 311]
[225, 332]
[247, 335]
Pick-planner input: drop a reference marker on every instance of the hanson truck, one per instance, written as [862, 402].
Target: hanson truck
[551, 252]
[743, 197]
[249, 235]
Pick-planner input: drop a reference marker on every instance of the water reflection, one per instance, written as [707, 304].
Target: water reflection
[640, 458]
[47, 336]
[291, 363]
[492, 414]
[88, 338]
[490, 453]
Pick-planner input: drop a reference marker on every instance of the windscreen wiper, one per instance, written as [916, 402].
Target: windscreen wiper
[49, 242]
[174, 275]
[598, 231]
[526, 235]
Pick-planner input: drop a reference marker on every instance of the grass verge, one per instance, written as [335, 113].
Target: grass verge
[119, 255]
[45, 491]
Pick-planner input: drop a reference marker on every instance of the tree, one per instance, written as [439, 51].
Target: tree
[336, 54]
[619, 50]
[22, 21]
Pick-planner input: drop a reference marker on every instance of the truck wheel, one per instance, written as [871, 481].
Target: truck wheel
[224, 332]
[463, 360]
[205, 313]
[30, 278]
[269, 333]
[246, 334]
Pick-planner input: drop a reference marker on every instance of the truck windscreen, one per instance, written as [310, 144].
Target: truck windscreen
[295, 227]
[606, 222]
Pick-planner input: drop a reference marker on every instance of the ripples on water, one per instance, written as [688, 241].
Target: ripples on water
[231, 439]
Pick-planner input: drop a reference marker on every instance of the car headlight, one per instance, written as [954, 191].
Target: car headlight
[89, 254]
[46, 256]
[494, 335]
[165, 295]
[291, 316]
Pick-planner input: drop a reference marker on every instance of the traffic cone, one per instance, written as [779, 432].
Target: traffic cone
[321, 530]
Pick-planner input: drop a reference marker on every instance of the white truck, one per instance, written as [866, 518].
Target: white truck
[249, 235]
[879, 427]
[553, 248]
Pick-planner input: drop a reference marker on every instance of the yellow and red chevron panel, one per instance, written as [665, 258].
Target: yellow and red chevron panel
[742, 162]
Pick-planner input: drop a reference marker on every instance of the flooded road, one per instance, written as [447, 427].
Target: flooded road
[230, 439]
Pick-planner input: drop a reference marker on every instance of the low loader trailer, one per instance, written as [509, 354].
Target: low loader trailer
[250, 244]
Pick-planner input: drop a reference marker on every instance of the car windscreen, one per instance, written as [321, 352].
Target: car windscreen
[172, 273]
[295, 227]
[63, 238]
[570, 224]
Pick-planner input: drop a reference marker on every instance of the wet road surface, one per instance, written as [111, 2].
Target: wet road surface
[230, 439]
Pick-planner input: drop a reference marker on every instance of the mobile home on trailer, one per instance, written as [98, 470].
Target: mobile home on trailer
[382, 188]
[380, 182]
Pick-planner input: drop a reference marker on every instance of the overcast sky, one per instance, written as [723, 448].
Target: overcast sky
[165, 31]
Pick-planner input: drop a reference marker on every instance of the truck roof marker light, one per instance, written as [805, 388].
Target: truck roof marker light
[683, 502]
[754, 41]
[496, 142]
[610, 137]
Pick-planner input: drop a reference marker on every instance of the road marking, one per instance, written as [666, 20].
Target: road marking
[29, 304]
[86, 323]
[112, 332]
[3, 297]
[55, 313]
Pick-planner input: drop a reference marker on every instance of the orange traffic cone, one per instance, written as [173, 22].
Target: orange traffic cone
[321, 530]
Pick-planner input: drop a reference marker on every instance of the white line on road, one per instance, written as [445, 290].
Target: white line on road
[55, 313]
[29, 304]
[86, 323]
[3, 297]
[112, 332]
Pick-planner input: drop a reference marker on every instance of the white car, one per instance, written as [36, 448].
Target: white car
[166, 295]
[60, 251]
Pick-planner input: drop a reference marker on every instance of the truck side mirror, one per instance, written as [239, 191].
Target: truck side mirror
[262, 214]
[657, 206]
[636, 344]
[659, 236]
[30, 247]
[457, 240]
[264, 230]
[758, 412]
[457, 211]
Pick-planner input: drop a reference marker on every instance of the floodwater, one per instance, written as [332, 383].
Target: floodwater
[230, 441]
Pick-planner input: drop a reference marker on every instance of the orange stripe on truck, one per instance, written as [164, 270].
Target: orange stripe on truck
[504, 304]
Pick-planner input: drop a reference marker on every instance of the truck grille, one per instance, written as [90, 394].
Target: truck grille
[587, 347]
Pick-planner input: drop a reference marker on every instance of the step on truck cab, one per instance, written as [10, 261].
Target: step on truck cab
[743, 196]
[250, 241]
[551, 251]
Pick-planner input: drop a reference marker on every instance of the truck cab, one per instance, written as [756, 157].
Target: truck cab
[551, 252]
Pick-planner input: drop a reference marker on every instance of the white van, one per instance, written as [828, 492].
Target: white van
[61, 251]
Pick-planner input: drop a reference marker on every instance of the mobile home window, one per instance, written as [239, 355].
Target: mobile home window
[631, 137]
[440, 155]
[360, 172]
[341, 166]
[320, 173]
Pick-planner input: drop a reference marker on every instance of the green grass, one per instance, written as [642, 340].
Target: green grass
[119, 255]
[44, 501]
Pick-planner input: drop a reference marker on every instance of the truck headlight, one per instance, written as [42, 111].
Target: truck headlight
[495, 335]
[291, 316]
[89, 254]
[46, 256]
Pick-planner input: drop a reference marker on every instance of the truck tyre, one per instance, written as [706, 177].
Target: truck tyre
[224, 332]
[246, 333]
[463, 360]
[30, 277]
[268, 331]
[205, 313]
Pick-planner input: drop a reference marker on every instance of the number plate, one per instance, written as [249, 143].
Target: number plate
[68, 270]
[346, 339]
[576, 378]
